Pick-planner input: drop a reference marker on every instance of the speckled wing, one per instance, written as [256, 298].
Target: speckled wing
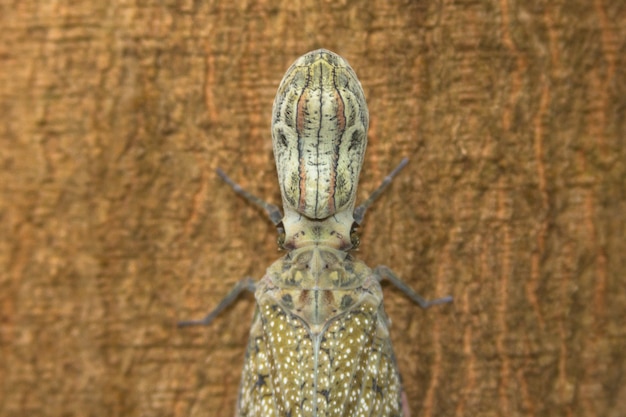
[256, 392]
[347, 368]
[357, 368]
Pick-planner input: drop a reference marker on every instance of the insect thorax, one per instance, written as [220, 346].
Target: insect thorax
[318, 284]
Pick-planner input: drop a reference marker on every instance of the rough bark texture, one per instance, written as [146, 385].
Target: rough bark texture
[113, 224]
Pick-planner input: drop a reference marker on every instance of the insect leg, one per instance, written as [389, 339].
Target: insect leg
[406, 412]
[246, 284]
[359, 212]
[272, 211]
[384, 272]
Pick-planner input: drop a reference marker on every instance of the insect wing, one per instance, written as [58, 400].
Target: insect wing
[256, 393]
[360, 369]
[346, 369]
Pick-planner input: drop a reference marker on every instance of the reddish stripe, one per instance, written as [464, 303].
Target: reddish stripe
[300, 121]
[341, 117]
[300, 111]
[341, 126]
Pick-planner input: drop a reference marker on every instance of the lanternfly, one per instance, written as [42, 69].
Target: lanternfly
[319, 343]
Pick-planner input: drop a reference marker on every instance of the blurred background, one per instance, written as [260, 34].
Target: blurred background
[114, 225]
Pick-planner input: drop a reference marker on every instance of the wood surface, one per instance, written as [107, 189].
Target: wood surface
[114, 225]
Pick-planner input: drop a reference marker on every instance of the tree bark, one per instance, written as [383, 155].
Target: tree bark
[114, 225]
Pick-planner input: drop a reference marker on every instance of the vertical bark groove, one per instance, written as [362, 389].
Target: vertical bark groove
[113, 225]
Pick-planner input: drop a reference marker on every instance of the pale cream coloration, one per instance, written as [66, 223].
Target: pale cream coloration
[319, 134]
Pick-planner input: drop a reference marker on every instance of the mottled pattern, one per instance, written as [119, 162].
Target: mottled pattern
[319, 131]
[319, 345]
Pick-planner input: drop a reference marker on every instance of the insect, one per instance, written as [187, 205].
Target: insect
[319, 343]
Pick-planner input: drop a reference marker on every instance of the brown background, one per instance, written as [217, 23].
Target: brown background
[113, 224]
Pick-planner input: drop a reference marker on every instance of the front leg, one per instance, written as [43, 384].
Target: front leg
[246, 284]
[272, 211]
